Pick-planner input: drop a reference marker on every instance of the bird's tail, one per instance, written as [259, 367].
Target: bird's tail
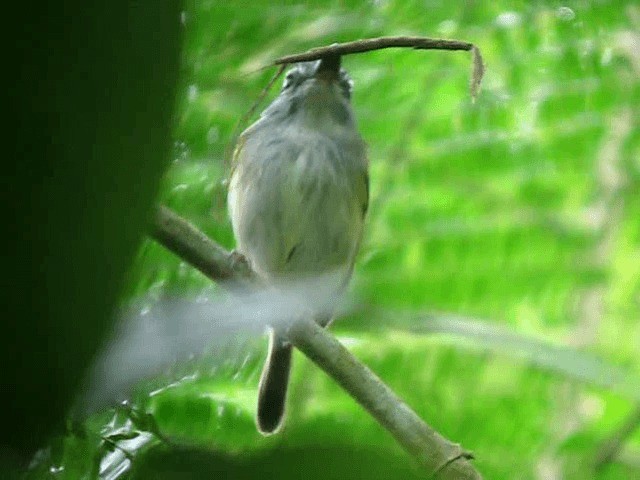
[272, 392]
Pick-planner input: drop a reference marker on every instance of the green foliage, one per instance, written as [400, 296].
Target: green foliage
[521, 209]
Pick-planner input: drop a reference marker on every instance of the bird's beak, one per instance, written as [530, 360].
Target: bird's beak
[329, 69]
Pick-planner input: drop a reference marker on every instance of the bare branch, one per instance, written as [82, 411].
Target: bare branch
[612, 447]
[369, 44]
[416, 43]
[441, 458]
[245, 118]
[187, 242]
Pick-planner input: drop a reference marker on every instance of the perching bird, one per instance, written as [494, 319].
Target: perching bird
[298, 197]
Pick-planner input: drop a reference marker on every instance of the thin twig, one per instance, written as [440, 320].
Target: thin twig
[441, 458]
[369, 44]
[416, 43]
[245, 118]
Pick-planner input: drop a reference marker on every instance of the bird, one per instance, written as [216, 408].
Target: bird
[298, 197]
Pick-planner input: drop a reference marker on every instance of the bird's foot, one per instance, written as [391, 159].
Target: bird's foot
[239, 262]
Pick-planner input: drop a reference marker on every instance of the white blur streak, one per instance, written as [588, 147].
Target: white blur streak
[149, 339]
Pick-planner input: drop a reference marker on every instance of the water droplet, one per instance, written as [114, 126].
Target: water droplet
[565, 14]
[508, 19]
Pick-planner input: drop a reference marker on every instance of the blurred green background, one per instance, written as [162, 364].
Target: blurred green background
[516, 217]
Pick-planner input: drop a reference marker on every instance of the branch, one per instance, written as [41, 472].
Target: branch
[441, 458]
[228, 156]
[432, 450]
[193, 246]
[612, 447]
[370, 44]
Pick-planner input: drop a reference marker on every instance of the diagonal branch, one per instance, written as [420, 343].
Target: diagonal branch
[441, 458]
[610, 449]
[190, 244]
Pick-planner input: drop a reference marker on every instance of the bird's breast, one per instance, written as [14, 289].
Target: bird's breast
[295, 208]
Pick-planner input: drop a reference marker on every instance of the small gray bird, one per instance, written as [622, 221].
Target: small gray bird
[298, 196]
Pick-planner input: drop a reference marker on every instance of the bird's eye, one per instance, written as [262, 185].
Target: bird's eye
[346, 86]
[288, 80]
